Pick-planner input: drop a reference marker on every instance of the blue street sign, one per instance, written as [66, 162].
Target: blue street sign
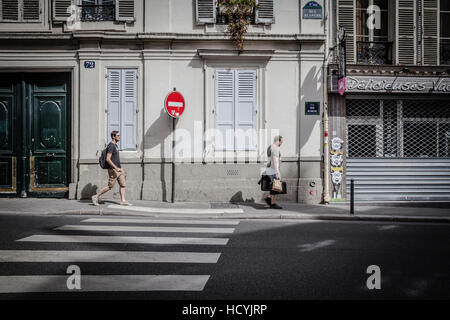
[312, 10]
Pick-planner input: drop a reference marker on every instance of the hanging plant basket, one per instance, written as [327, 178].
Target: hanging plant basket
[239, 13]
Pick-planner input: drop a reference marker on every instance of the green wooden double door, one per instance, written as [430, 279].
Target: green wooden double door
[34, 134]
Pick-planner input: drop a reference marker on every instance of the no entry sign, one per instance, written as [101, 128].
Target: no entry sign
[175, 104]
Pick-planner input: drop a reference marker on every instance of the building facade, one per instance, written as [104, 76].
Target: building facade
[390, 131]
[73, 71]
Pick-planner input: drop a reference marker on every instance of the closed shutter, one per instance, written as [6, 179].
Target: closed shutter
[224, 110]
[205, 11]
[129, 107]
[430, 32]
[125, 10]
[245, 107]
[264, 12]
[20, 10]
[346, 20]
[406, 32]
[114, 99]
[122, 106]
[61, 10]
[10, 10]
[31, 10]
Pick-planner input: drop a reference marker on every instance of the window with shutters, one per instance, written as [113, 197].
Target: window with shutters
[208, 11]
[235, 110]
[372, 41]
[94, 10]
[98, 10]
[122, 106]
[20, 11]
[445, 32]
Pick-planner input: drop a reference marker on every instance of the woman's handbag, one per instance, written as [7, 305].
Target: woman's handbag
[277, 186]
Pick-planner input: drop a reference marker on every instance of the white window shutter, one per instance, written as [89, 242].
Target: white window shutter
[10, 10]
[125, 10]
[224, 109]
[114, 101]
[264, 12]
[346, 19]
[205, 11]
[31, 10]
[245, 109]
[128, 109]
[406, 32]
[430, 32]
[61, 10]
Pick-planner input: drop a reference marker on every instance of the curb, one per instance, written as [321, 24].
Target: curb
[244, 216]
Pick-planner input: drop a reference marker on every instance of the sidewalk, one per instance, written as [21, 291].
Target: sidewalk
[400, 212]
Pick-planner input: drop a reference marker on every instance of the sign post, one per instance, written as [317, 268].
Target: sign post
[174, 105]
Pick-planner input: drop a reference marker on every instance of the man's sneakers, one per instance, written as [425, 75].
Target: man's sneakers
[275, 206]
[95, 200]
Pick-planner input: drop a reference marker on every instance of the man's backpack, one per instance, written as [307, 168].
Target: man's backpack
[102, 159]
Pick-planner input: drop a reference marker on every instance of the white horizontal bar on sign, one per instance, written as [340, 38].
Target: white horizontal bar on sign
[103, 283]
[159, 221]
[174, 104]
[145, 229]
[107, 256]
[119, 239]
[176, 210]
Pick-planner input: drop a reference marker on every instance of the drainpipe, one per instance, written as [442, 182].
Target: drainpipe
[326, 150]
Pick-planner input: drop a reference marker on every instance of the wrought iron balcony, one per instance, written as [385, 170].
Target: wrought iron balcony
[97, 12]
[445, 53]
[374, 52]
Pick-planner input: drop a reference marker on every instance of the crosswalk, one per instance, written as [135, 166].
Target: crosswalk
[155, 234]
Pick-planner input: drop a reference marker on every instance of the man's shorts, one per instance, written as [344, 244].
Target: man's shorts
[119, 176]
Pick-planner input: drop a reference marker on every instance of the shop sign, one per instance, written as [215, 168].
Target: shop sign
[374, 84]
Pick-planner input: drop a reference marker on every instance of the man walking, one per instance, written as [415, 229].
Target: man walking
[273, 169]
[115, 171]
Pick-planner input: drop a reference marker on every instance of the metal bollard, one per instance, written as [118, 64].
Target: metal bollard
[352, 197]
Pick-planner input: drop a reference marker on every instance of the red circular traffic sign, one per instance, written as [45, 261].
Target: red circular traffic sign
[175, 104]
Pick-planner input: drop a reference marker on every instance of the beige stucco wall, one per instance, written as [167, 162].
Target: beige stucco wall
[289, 70]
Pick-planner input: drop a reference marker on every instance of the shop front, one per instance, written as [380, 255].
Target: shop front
[391, 135]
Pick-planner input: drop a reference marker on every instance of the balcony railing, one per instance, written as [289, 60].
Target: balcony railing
[374, 52]
[445, 53]
[97, 12]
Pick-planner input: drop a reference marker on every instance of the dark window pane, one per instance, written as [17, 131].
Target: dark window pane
[445, 25]
[383, 32]
[362, 4]
[445, 5]
[383, 4]
[445, 52]
[361, 23]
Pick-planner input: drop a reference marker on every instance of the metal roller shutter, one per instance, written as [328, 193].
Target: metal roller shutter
[398, 149]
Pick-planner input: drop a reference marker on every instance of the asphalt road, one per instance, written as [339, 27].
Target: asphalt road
[247, 259]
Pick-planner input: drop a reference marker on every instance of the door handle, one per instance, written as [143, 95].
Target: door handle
[50, 155]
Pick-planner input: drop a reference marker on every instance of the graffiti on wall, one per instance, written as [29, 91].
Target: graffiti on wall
[337, 170]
